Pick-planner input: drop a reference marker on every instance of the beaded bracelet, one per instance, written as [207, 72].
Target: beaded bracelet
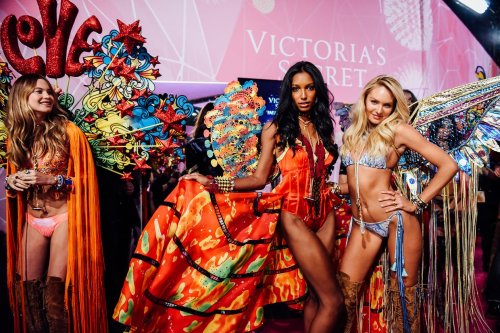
[63, 182]
[419, 204]
[224, 184]
[7, 186]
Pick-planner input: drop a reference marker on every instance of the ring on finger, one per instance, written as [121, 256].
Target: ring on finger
[26, 172]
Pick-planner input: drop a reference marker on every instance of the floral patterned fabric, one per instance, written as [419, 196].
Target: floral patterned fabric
[199, 262]
[210, 262]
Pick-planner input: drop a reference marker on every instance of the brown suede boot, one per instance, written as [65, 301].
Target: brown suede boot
[57, 315]
[395, 311]
[33, 303]
[413, 307]
[352, 294]
[393, 308]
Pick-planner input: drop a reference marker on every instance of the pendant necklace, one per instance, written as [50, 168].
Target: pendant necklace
[316, 166]
[36, 203]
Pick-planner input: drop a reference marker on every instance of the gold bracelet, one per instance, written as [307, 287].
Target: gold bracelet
[224, 184]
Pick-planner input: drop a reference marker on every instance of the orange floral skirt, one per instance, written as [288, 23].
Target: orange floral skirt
[202, 262]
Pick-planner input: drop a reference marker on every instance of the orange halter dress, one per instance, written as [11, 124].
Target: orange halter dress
[301, 181]
[297, 184]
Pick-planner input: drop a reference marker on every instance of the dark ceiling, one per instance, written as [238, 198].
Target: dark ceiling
[485, 27]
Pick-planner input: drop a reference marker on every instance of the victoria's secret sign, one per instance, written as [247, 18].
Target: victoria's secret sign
[346, 64]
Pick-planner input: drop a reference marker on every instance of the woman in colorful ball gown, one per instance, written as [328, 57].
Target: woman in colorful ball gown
[300, 141]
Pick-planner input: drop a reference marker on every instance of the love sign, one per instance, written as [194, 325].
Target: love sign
[56, 31]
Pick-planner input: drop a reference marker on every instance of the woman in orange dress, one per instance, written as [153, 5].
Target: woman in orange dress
[209, 260]
[300, 139]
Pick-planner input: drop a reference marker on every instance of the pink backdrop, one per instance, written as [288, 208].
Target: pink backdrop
[420, 42]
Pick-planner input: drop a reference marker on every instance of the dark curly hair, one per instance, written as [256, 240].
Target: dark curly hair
[287, 114]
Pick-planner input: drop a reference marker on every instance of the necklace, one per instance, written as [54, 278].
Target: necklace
[309, 137]
[37, 203]
[316, 171]
[305, 122]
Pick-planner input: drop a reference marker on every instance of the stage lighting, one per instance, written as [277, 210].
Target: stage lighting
[479, 6]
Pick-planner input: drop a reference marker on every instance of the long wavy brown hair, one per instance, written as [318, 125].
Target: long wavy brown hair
[27, 138]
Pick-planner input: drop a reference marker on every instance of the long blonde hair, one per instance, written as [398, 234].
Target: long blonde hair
[24, 133]
[375, 141]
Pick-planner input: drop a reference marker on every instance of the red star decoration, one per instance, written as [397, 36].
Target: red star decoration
[125, 108]
[138, 135]
[168, 118]
[96, 47]
[87, 64]
[156, 73]
[127, 176]
[117, 140]
[140, 164]
[134, 156]
[128, 73]
[138, 93]
[99, 113]
[117, 65]
[89, 119]
[129, 35]
[154, 61]
[166, 144]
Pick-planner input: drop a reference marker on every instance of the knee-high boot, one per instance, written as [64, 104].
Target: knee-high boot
[413, 307]
[34, 315]
[395, 319]
[57, 315]
[352, 294]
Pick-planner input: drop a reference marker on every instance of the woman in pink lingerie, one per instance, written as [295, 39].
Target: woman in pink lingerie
[54, 260]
